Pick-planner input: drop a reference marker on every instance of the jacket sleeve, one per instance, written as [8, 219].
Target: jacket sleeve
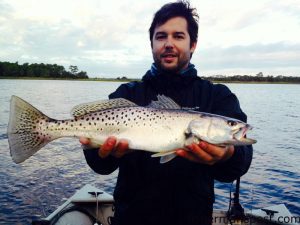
[227, 104]
[99, 165]
[109, 164]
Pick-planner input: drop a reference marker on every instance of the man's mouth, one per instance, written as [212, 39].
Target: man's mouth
[169, 56]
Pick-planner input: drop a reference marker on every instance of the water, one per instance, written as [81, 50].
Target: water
[35, 188]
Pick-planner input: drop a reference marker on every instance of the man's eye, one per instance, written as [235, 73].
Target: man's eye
[160, 37]
[179, 37]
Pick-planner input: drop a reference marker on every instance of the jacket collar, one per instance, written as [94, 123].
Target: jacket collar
[155, 71]
[161, 80]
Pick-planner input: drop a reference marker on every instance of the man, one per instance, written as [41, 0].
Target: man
[182, 190]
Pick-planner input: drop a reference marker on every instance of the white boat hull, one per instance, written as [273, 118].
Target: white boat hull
[82, 209]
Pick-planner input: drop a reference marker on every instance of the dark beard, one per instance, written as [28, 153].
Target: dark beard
[175, 70]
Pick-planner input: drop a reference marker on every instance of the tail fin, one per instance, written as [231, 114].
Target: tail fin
[23, 137]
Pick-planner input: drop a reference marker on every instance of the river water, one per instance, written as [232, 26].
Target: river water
[36, 187]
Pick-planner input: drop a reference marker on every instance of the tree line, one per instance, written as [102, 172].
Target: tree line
[258, 78]
[8, 69]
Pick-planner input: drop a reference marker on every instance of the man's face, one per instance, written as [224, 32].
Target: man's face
[171, 47]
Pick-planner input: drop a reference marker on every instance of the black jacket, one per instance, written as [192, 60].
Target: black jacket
[180, 191]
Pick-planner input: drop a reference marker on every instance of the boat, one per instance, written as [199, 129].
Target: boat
[93, 206]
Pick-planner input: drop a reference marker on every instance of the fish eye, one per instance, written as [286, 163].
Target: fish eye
[231, 123]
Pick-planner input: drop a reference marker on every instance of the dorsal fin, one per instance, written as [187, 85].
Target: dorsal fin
[86, 108]
[164, 102]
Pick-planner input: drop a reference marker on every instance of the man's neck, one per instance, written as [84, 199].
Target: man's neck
[157, 70]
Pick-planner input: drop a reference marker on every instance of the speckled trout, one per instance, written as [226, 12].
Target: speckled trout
[161, 127]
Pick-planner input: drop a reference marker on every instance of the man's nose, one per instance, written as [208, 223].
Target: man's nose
[169, 43]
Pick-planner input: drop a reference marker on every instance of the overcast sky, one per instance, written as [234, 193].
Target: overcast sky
[110, 38]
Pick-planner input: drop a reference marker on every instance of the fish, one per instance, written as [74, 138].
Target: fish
[160, 128]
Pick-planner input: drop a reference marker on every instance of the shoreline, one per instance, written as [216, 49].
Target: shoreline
[130, 80]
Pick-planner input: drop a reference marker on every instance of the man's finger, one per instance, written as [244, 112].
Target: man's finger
[121, 149]
[200, 153]
[84, 140]
[107, 147]
[187, 155]
[213, 150]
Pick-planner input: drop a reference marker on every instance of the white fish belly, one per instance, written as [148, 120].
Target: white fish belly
[145, 129]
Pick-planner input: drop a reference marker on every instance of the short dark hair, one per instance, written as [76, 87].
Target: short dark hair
[177, 9]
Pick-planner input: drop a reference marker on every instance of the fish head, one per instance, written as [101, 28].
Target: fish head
[221, 130]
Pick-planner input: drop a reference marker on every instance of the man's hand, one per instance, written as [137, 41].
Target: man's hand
[206, 153]
[109, 147]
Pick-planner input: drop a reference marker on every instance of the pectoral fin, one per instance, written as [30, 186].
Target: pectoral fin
[165, 156]
[191, 139]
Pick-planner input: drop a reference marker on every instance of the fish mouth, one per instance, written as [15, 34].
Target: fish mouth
[239, 135]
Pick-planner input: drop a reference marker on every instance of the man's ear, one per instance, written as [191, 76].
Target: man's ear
[193, 46]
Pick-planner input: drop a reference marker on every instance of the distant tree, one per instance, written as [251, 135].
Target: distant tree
[73, 69]
[260, 74]
[8, 69]
[82, 75]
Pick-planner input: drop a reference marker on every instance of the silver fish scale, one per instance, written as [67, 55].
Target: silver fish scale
[138, 125]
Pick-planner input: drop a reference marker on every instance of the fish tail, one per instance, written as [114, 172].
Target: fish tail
[24, 137]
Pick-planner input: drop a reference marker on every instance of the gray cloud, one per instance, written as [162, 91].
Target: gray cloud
[111, 44]
[279, 56]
